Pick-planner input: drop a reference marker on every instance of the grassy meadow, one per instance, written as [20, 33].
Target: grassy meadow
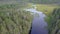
[46, 8]
[13, 19]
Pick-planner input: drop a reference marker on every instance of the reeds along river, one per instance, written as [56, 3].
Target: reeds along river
[39, 24]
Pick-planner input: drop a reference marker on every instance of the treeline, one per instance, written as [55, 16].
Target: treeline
[54, 22]
[46, 1]
[38, 1]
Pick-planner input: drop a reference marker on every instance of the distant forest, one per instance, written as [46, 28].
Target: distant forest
[38, 1]
[46, 1]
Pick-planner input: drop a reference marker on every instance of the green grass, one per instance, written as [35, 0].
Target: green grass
[14, 21]
[53, 21]
[47, 9]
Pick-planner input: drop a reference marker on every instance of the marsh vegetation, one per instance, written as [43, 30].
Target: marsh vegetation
[15, 20]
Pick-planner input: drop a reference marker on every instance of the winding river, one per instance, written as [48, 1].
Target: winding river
[39, 24]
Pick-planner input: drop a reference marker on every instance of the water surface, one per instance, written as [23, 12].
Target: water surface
[39, 24]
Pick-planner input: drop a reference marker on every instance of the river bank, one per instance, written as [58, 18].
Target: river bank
[38, 24]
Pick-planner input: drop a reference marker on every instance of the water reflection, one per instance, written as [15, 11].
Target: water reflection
[38, 24]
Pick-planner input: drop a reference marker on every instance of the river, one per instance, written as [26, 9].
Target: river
[38, 24]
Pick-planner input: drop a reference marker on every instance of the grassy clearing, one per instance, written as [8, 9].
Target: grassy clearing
[47, 9]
